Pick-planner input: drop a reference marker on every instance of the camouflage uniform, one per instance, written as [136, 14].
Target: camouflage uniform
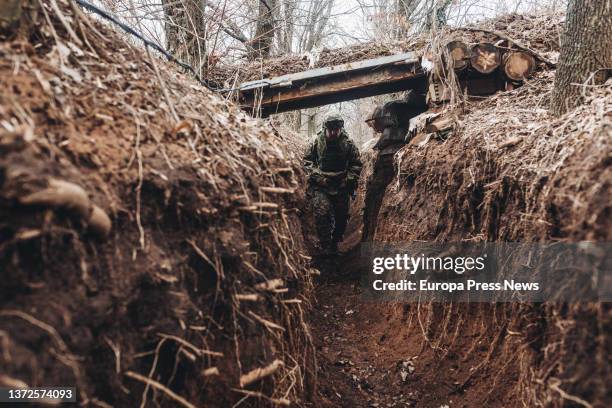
[333, 167]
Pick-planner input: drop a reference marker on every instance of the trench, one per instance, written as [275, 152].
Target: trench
[373, 354]
[186, 290]
[368, 354]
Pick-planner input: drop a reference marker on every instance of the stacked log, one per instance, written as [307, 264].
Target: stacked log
[518, 65]
[459, 53]
[485, 58]
[481, 68]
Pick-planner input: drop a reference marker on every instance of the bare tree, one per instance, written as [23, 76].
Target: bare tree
[586, 52]
[264, 31]
[315, 25]
[186, 31]
[303, 26]
[17, 16]
[10, 14]
[405, 10]
[288, 24]
[436, 14]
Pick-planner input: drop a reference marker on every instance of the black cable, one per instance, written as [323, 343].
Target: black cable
[146, 42]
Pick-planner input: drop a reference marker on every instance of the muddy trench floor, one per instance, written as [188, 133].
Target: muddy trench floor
[358, 365]
[361, 363]
[368, 357]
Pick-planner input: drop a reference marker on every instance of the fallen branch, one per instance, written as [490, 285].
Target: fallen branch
[276, 401]
[259, 206]
[190, 346]
[210, 372]
[510, 142]
[249, 297]
[277, 190]
[283, 170]
[271, 284]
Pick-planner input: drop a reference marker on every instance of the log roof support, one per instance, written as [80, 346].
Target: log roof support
[334, 84]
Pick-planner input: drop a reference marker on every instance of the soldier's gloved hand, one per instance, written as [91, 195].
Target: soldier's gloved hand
[318, 179]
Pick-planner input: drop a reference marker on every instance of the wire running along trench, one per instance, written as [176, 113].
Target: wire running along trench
[148, 43]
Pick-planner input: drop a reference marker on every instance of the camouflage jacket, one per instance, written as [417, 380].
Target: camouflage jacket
[333, 166]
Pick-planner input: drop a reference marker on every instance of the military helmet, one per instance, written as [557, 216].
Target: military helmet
[333, 121]
[382, 117]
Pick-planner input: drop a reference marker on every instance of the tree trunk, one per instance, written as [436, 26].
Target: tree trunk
[17, 17]
[286, 33]
[264, 32]
[186, 32]
[405, 10]
[318, 26]
[312, 117]
[10, 14]
[586, 54]
[436, 15]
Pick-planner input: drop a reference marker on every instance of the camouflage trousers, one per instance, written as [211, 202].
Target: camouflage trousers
[331, 213]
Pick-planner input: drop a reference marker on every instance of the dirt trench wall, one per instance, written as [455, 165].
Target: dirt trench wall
[510, 172]
[202, 277]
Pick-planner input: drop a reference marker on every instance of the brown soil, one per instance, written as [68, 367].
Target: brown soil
[204, 205]
[363, 349]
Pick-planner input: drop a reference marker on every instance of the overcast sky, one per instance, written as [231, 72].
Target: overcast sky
[349, 17]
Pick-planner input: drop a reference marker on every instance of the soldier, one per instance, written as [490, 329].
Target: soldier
[333, 165]
[392, 121]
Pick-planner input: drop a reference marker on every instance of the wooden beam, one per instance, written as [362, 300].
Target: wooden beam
[342, 69]
[327, 85]
[317, 92]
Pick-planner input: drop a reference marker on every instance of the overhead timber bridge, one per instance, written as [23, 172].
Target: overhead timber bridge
[334, 84]
[476, 68]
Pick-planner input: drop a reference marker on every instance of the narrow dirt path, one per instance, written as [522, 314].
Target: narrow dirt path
[365, 357]
[373, 354]
[366, 352]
